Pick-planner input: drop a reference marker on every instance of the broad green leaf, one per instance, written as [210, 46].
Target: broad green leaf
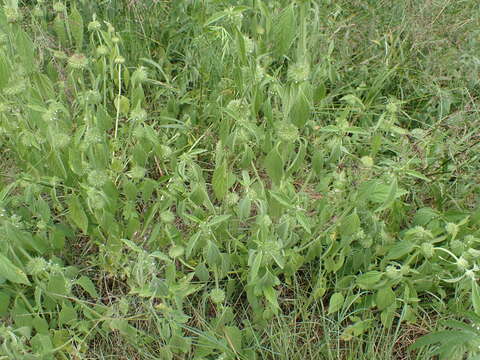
[57, 285]
[392, 194]
[11, 272]
[4, 303]
[59, 28]
[122, 104]
[336, 302]
[274, 166]
[75, 23]
[75, 161]
[67, 315]
[424, 216]
[282, 199]
[278, 258]
[88, 286]
[244, 208]
[284, 30]
[400, 249]
[218, 220]
[385, 297]
[300, 105]
[220, 181]
[77, 214]
[417, 175]
[255, 265]
[42, 345]
[176, 251]
[213, 256]
[476, 297]
[349, 225]
[387, 315]
[271, 296]
[233, 336]
[318, 161]
[40, 325]
[192, 243]
[368, 280]
[25, 49]
[202, 272]
[377, 192]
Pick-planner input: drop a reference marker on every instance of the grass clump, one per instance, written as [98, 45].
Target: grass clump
[252, 180]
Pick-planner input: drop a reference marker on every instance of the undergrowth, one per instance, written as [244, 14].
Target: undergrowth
[239, 180]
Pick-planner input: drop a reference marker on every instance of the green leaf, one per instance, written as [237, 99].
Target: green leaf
[4, 303]
[317, 161]
[385, 297]
[368, 280]
[476, 297]
[122, 104]
[11, 272]
[220, 181]
[271, 296]
[274, 166]
[59, 27]
[192, 243]
[67, 315]
[278, 258]
[176, 251]
[75, 22]
[284, 30]
[218, 220]
[349, 225]
[417, 175]
[88, 286]
[77, 214]
[392, 193]
[336, 302]
[399, 250]
[202, 272]
[301, 106]
[213, 256]
[57, 285]
[244, 208]
[75, 161]
[233, 336]
[255, 265]
[40, 325]
[42, 345]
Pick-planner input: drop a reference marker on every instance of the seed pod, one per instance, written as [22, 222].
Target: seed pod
[428, 250]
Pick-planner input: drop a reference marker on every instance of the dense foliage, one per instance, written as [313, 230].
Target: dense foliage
[239, 180]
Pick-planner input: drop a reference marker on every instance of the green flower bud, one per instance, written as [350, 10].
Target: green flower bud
[94, 25]
[393, 272]
[232, 199]
[97, 178]
[38, 11]
[167, 217]
[12, 14]
[299, 72]
[427, 250]
[78, 61]
[462, 263]
[119, 60]
[102, 50]
[217, 296]
[287, 132]
[137, 172]
[59, 7]
[36, 266]
[452, 229]
[140, 75]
